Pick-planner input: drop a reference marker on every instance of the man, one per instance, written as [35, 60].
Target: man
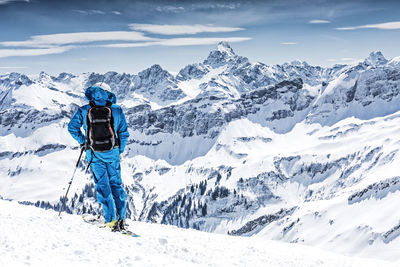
[106, 134]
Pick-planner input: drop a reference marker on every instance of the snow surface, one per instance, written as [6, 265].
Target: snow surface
[36, 237]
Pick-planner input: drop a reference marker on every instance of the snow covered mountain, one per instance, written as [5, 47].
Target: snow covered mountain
[291, 152]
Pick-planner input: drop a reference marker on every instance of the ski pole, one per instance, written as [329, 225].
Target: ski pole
[72, 178]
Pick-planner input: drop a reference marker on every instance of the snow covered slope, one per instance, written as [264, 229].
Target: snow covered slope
[316, 185]
[34, 237]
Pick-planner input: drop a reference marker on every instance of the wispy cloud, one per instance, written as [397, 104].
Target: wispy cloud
[50, 40]
[197, 7]
[98, 12]
[318, 21]
[170, 9]
[347, 59]
[395, 25]
[221, 6]
[166, 29]
[4, 2]
[38, 45]
[288, 43]
[95, 12]
[33, 52]
[81, 11]
[181, 42]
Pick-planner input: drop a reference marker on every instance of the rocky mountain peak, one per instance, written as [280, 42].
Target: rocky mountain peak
[220, 56]
[158, 84]
[13, 80]
[64, 77]
[43, 74]
[376, 58]
[395, 61]
[296, 63]
[224, 47]
[154, 71]
[44, 78]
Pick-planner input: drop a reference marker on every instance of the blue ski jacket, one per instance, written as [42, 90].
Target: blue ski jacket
[100, 98]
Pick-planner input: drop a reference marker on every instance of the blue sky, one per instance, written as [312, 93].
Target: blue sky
[129, 36]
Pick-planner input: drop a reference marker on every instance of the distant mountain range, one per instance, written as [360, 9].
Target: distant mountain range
[293, 152]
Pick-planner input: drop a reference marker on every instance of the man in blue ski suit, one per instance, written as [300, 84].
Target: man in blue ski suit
[105, 165]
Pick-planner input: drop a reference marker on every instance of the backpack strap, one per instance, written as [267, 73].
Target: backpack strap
[88, 125]
[111, 124]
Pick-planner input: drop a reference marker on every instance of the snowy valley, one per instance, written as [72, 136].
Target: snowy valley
[291, 152]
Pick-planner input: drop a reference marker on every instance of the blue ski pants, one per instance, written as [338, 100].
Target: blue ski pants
[109, 190]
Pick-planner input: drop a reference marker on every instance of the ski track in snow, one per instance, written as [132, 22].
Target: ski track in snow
[36, 237]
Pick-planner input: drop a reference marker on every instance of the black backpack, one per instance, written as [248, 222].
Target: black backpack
[100, 128]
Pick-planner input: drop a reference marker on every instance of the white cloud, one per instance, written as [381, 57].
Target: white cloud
[198, 7]
[38, 45]
[200, 41]
[288, 43]
[33, 52]
[180, 42]
[318, 21]
[80, 11]
[227, 6]
[124, 45]
[4, 2]
[180, 29]
[159, 42]
[347, 28]
[79, 37]
[395, 25]
[95, 12]
[98, 12]
[170, 9]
